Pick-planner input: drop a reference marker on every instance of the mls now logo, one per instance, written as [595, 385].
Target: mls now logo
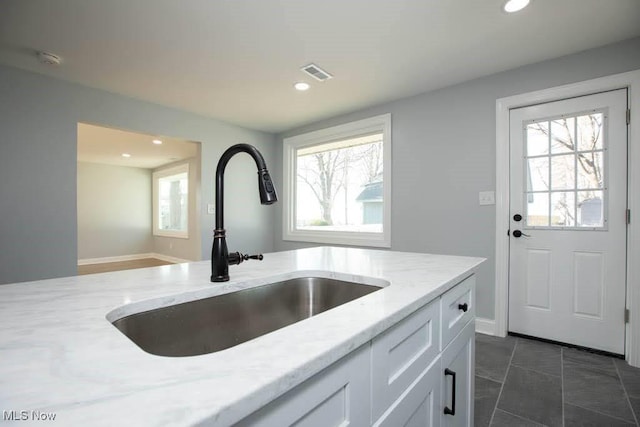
[28, 415]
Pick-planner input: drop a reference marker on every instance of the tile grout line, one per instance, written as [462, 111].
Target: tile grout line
[488, 379]
[504, 380]
[599, 413]
[624, 389]
[522, 418]
[562, 381]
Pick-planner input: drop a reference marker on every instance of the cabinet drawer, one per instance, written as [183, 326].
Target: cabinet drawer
[401, 354]
[419, 406]
[337, 396]
[454, 303]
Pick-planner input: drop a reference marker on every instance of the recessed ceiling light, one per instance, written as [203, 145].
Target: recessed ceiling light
[126, 155]
[301, 86]
[515, 5]
[157, 142]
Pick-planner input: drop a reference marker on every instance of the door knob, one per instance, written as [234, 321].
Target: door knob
[518, 233]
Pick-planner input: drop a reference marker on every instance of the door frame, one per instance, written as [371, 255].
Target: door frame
[630, 81]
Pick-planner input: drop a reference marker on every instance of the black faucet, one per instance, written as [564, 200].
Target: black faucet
[220, 256]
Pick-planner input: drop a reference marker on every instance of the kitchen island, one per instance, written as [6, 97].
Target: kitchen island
[61, 355]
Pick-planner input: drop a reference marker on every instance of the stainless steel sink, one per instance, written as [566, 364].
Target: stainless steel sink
[216, 323]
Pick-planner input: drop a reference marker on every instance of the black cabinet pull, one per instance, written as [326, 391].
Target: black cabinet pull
[452, 410]
[464, 307]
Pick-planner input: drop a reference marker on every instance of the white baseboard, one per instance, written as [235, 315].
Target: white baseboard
[485, 326]
[133, 257]
[169, 258]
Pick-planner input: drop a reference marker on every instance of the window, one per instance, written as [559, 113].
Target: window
[338, 184]
[565, 167]
[171, 202]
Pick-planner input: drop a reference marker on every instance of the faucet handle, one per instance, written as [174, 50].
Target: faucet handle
[235, 258]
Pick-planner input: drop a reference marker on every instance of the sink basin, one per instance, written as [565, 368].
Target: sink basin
[216, 323]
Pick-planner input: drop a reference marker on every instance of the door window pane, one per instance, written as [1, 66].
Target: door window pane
[590, 209]
[590, 132]
[538, 174]
[563, 135]
[563, 208]
[563, 172]
[537, 209]
[537, 138]
[590, 170]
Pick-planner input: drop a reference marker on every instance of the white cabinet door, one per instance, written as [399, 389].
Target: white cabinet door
[402, 354]
[337, 396]
[457, 376]
[419, 405]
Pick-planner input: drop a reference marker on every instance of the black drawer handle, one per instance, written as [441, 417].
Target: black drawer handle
[451, 411]
[464, 307]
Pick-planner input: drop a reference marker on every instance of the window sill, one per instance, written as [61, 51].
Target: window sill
[375, 240]
[173, 234]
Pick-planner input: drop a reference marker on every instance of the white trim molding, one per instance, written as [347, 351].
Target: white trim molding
[133, 257]
[630, 81]
[485, 326]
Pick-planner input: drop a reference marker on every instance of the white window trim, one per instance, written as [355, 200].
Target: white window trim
[380, 123]
[174, 170]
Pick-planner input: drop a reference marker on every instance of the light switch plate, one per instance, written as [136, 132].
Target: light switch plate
[487, 197]
[211, 208]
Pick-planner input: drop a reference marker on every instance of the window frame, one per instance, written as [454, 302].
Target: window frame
[382, 124]
[156, 176]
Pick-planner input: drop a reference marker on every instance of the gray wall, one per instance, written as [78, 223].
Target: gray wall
[38, 137]
[185, 248]
[114, 210]
[444, 154]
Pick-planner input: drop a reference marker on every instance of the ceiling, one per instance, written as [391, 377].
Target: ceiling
[97, 144]
[237, 60]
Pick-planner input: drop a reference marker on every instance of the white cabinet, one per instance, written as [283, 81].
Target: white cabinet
[337, 396]
[398, 379]
[458, 379]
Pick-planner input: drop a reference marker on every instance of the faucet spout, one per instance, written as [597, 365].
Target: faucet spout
[220, 258]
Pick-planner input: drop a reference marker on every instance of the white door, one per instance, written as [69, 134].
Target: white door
[568, 198]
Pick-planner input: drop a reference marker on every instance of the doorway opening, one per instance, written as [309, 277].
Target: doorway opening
[133, 210]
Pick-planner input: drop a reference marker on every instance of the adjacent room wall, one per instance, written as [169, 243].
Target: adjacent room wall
[38, 170]
[444, 154]
[114, 211]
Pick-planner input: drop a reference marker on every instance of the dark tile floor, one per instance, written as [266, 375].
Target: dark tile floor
[521, 382]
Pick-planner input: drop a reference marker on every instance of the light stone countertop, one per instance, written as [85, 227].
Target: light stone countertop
[60, 354]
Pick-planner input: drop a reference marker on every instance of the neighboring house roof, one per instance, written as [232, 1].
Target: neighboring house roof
[372, 192]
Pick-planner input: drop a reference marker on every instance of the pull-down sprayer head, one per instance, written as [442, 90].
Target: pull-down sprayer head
[266, 188]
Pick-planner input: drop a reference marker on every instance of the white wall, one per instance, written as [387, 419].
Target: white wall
[114, 210]
[444, 154]
[38, 170]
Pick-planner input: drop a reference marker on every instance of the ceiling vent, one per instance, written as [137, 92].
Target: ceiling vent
[48, 58]
[316, 72]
